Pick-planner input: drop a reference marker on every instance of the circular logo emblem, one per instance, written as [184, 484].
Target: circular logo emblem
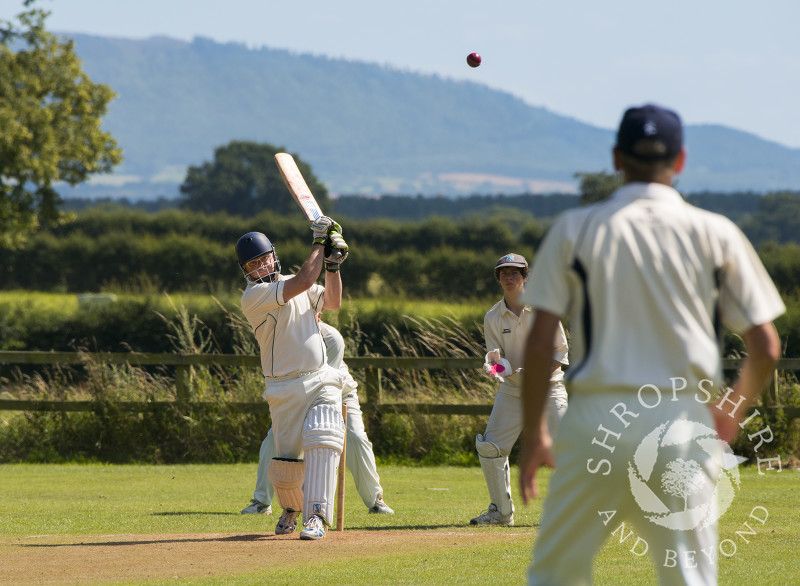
[685, 464]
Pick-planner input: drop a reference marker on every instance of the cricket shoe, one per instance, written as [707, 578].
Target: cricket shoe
[257, 508]
[381, 507]
[314, 528]
[493, 517]
[287, 523]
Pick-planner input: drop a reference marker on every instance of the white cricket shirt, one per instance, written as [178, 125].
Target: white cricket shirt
[287, 332]
[646, 280]
[508, 332]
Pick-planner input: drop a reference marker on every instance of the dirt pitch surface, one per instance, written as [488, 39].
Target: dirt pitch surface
[77, 559]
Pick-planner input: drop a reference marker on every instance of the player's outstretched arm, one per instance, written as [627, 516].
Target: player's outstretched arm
[333, 290]
[307, 275]
[536, 441]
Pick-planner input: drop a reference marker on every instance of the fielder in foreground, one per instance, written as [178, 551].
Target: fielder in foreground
[359, 457]
[303, 391]
[506, 326]
[647, 281]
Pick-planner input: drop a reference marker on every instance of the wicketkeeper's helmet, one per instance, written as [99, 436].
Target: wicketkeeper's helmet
[252, 245]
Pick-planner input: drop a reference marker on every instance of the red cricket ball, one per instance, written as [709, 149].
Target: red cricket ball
[473, 59]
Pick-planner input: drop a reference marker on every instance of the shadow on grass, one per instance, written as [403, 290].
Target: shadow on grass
[180, 513]
[248, 537]
[463, 526]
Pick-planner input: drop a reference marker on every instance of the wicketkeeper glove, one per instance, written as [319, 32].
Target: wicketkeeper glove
[321, 227]
[498, 369]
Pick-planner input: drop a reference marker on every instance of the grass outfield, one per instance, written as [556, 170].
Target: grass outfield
[181, 524]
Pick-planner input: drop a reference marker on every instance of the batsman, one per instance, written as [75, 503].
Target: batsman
[304, 393]
[506, 326]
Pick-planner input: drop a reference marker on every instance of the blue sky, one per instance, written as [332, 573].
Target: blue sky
[731, 62]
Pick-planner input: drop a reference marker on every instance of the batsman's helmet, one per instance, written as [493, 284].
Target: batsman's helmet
[511, 260]
[252, 245]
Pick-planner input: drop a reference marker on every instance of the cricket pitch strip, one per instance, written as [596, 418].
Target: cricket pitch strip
[101, 559]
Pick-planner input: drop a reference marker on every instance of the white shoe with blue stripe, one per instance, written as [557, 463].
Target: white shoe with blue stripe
[314, 528]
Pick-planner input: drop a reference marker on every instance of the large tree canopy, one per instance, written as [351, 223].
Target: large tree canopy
[243, 180]
[596, 187]
[50, 115]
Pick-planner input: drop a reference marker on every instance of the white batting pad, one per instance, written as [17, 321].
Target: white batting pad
[498, 480]
[323, 428]
[287, 477]
[320, 488]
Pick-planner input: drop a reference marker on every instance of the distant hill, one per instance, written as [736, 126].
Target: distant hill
[367, 128]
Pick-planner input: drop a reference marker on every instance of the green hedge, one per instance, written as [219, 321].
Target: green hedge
[126, 250]
[181, 251]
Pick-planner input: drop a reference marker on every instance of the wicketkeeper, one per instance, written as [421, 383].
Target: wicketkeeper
[506, 326]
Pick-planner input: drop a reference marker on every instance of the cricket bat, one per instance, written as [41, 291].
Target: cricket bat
[297, 186]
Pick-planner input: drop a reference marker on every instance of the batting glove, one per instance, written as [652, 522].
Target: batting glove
[336, 250]
[321, 226]
[338, 242]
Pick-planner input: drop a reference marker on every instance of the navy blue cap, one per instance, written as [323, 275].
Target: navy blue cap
[512, 260]
[650, 133]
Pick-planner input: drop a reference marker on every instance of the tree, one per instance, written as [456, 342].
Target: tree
[244, 180]
[50, 115]
[596, 187]
[777, 219]
[683, 479]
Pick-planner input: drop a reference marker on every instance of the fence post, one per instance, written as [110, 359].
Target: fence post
[183, 382]
[374, 392]
[773, 388]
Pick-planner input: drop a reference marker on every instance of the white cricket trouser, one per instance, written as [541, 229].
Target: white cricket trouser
[289, 403]
[360, 458]
[505, 422]
[502, 430]
[577, 515]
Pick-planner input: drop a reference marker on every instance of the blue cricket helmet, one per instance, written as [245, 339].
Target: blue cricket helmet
[252, 245]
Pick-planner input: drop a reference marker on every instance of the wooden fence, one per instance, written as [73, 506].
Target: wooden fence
[373, 367]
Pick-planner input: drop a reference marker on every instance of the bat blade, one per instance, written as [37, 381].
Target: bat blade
[297, 186]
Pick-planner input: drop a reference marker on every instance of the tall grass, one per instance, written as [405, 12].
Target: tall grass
[431, 439]
[110, 433]
[183, 433]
